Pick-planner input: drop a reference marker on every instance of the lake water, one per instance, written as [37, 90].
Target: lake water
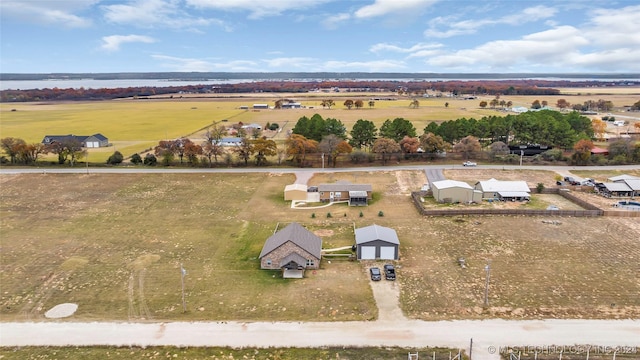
[125, 83]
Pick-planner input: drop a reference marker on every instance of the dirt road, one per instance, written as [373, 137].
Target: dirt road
[488, 335]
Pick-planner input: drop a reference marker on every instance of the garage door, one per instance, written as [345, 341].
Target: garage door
[387, 252]
[368, 253]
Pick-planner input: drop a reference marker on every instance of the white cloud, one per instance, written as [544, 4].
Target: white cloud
[156, 13]
[199, 65]
[334, 21]
[383, 47]
[113, 42]
[366, 66]
[547, 48]
[257, 9]
[455, 28]
[386, 7]
[612, 28]
[48, 12]
[297, 63]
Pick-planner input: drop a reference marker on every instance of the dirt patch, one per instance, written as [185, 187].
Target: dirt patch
[323, 232]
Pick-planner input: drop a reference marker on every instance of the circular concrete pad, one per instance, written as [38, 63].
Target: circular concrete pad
[61, 311]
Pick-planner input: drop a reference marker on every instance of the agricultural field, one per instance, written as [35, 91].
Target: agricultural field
[114, 245]
[134, 126]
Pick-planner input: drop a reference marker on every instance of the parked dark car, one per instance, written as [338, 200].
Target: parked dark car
[375, 274]
[389, 272]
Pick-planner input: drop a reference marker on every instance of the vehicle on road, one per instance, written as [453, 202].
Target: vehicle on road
[389, 272]
[469, 163]
[376, 275]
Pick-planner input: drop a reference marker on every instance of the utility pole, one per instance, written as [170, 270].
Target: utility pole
[183, 272]
[487, 268]
[323, 160]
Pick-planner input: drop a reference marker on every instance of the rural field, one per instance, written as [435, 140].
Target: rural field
[114, 245]
[134, 126]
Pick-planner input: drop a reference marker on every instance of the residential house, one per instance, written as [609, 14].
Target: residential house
[292, 250]
[354, 194]
[504, 190]
[87, 141]
[230, 141]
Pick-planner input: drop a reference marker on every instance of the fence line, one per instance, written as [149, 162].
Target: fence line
[590, 209]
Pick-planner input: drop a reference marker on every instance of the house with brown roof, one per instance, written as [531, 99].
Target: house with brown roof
[292, 250]
[354, 194]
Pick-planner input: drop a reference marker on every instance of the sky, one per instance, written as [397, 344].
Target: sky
[415, 36]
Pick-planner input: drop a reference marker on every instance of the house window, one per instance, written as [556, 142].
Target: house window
[338, 195]
[268, 262]
[310, 262]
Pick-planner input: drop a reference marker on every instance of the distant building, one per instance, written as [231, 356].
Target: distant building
[91, 141]
[260, 106]
[229, 141]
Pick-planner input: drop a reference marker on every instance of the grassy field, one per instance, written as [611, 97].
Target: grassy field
[136, 125]
[114, 245]
[217, 353]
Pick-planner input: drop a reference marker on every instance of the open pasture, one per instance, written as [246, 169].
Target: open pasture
[114, 245]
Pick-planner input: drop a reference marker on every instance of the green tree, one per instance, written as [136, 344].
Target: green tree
[397, 129]
[363, 134]
[334, 127]
[373, 103]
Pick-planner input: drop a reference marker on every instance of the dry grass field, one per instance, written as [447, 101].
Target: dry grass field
[114, 245]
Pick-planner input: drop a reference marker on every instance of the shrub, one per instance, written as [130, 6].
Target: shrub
[136, 159]
[150, 160]
[115, 159]
[361, 214]
[329, 215]
[313, 215]
[380, 213]
[539, 188]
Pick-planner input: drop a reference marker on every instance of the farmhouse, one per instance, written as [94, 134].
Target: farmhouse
[292, 105]
[293, 250]
[452, 191]
[355, 194]
[252, 127]
[295, 192]
[229, 141]
[504, 190]
[91, 141]
[377, 242]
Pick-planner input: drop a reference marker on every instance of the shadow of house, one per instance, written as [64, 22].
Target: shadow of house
[292, 250]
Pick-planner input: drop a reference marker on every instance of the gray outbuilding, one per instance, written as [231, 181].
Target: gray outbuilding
[377, 242]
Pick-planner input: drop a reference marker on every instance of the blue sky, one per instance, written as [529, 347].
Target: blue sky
[441, 36]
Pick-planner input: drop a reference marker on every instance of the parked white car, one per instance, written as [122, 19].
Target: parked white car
[469, 163]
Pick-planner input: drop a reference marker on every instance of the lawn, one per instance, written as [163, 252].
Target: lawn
[114, 245]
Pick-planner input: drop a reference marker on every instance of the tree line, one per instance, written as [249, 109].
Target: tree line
[329, 139]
